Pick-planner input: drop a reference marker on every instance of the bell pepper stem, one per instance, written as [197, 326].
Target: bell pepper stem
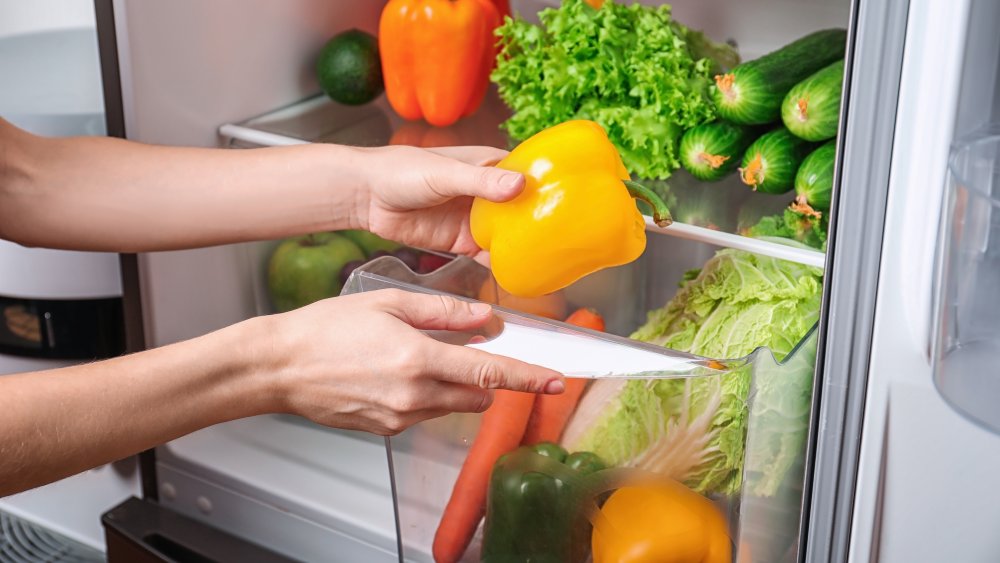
[661, 215]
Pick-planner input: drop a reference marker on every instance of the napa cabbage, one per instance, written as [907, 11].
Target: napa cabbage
[694, 429]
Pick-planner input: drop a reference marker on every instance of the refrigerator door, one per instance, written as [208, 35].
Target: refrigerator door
[924, 473]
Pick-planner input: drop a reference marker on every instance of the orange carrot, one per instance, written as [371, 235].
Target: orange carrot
[501, 430]
[586, 318]
[552, 412]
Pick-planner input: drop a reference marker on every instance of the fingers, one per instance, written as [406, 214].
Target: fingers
[468, 366]
[452, 178]
[454, 397]
[436, 312]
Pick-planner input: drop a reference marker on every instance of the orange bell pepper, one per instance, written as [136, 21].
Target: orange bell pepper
[436, 57]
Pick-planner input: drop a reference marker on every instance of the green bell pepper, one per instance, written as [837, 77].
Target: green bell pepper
[536, 508]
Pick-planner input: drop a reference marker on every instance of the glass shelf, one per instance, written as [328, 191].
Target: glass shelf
[711, 213]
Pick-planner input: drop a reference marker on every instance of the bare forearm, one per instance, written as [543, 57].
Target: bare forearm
[60, 422]
[107, 194]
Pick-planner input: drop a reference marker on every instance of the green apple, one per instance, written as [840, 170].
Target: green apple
[370, 243]
[306, 269]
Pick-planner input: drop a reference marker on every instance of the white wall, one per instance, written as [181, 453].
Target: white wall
[25, 16]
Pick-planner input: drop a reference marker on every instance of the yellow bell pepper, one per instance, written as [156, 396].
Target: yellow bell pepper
[661, 523]
[575, 216]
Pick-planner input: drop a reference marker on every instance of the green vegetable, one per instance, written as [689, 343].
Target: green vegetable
[370, 243]
[771, 162]
[814, 180]
[690, 203]
[779, 419]
[738, 302]
[713, 150]
[630, 68]
[536, 508]
[811, 110]
[584, 462]
[348, 68]
[807, 229]
[752, 92]
[548, 449]
[693, 429]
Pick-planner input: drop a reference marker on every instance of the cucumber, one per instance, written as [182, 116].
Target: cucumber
[811, 109]
[712, 150]
[814, 180]
[771, 162]
[752, 92]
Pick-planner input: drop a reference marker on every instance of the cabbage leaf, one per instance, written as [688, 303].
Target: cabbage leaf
[694, 429]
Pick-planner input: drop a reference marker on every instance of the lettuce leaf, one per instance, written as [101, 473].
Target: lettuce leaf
[779, 419]
[642, 76]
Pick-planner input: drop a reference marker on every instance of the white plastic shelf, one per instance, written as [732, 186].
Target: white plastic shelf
[712, 213]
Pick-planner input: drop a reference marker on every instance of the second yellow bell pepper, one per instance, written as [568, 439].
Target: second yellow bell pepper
[575, 216]
[660, 523]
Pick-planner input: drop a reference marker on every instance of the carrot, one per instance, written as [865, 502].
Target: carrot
[552, 412]
[550, 416]
[587, 318]
[501, 430]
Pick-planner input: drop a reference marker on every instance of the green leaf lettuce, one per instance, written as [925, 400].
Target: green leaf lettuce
[640, 75]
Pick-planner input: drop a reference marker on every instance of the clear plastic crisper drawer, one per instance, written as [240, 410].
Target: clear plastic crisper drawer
[694, 459]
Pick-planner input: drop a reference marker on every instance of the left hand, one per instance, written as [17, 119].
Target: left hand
[422, 197]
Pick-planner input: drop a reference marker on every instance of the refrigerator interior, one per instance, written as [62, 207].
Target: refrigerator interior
[239, 74]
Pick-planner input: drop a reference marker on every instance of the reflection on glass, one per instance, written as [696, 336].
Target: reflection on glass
[22, 323]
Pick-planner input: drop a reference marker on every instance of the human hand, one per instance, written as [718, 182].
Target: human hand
[360, 361]
[422, 197]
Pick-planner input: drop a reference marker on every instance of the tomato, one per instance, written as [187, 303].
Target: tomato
[661, 523]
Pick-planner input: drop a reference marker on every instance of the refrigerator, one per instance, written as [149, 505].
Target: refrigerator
[889, 471]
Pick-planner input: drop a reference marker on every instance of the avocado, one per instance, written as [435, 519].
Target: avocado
[349, 69]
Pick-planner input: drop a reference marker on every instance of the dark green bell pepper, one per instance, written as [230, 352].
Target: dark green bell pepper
[536, 508]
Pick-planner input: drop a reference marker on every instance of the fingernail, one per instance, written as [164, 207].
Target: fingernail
[480, 309]
[555, 387]
[510, 183]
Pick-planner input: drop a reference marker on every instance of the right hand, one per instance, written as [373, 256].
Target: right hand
[360, 361]
[422, 197]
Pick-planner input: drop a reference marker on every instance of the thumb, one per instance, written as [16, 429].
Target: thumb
[436, 312]
[454, 178]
